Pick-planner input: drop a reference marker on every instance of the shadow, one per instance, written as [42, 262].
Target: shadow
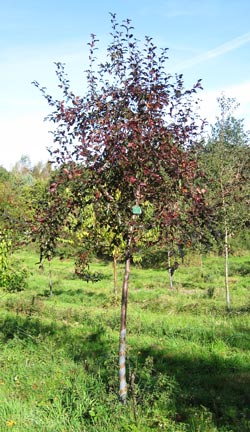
[89, 277]
[73, 293]
[187, 284]
[79, 346]
[25, 328]
[242, 269]
[240, 310]
[216, 384]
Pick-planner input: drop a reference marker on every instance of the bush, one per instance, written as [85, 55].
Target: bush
[12, 278]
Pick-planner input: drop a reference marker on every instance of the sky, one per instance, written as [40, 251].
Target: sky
[208, 40]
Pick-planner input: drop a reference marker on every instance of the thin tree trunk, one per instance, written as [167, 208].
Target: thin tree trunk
[170, 271]
[226, 250]
[201, 265]
[50, 280]
[115, 275]
[133, 397]
[123, 392]
[122, 350]
[226, 270]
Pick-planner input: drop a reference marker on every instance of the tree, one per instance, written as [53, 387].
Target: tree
[4, 174]
[14, 208]
[135, 132]
[227, 162]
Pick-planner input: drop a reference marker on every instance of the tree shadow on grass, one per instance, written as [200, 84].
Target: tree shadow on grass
[89, 277]
[218, 384]
[73, 293]
[78, 344]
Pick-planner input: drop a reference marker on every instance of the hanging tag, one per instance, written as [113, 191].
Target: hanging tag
[136, 210]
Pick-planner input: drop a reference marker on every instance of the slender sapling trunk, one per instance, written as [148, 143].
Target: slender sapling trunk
[226, 270]
[122, 350]
[115, 275]
[201, 265]
[170, 272]
[226, 249]
[50, 280]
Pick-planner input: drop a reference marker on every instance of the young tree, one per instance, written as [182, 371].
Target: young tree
[227, 162]
[135, 132]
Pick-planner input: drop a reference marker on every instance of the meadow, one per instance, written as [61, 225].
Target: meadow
[188, 358]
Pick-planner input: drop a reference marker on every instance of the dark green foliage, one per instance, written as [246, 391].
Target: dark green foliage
[4, 174]
[13, 276]
[14, 279]
[88, 276]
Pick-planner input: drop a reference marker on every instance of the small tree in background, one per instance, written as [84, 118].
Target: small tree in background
[226, 160]
[135, 133]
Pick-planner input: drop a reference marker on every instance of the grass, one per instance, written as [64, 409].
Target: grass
[188, 359]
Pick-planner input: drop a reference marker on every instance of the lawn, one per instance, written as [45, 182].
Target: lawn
[188, 358]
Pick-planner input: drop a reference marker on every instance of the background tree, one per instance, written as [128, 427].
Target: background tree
[17, 188]
[226, 159]
[135, 133]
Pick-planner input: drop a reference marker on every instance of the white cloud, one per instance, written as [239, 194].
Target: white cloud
[23, 131]
[24, 135]
[29, 135]
[209, 104]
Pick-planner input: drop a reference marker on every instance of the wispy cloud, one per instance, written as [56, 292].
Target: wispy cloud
[216, 52]
[179, 8]
[178, 13]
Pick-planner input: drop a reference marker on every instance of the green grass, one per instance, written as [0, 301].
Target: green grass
[189, 357]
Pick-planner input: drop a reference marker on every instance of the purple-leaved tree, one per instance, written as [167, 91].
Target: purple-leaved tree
[135, 133]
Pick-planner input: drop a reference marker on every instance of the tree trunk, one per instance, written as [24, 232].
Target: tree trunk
[50, 280]
[226, 249]
[115, 275]
[201, 265]
[123, 393]
[226, 271]
[170, 271]
[122, 350]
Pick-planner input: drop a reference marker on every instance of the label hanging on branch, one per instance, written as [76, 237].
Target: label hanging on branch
[136, 210]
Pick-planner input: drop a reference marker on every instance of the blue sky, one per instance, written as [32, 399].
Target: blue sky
[206, 39]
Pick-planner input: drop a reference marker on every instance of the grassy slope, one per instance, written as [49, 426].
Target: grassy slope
[189, 358]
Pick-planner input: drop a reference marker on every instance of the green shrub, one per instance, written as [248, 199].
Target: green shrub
[12, 278]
